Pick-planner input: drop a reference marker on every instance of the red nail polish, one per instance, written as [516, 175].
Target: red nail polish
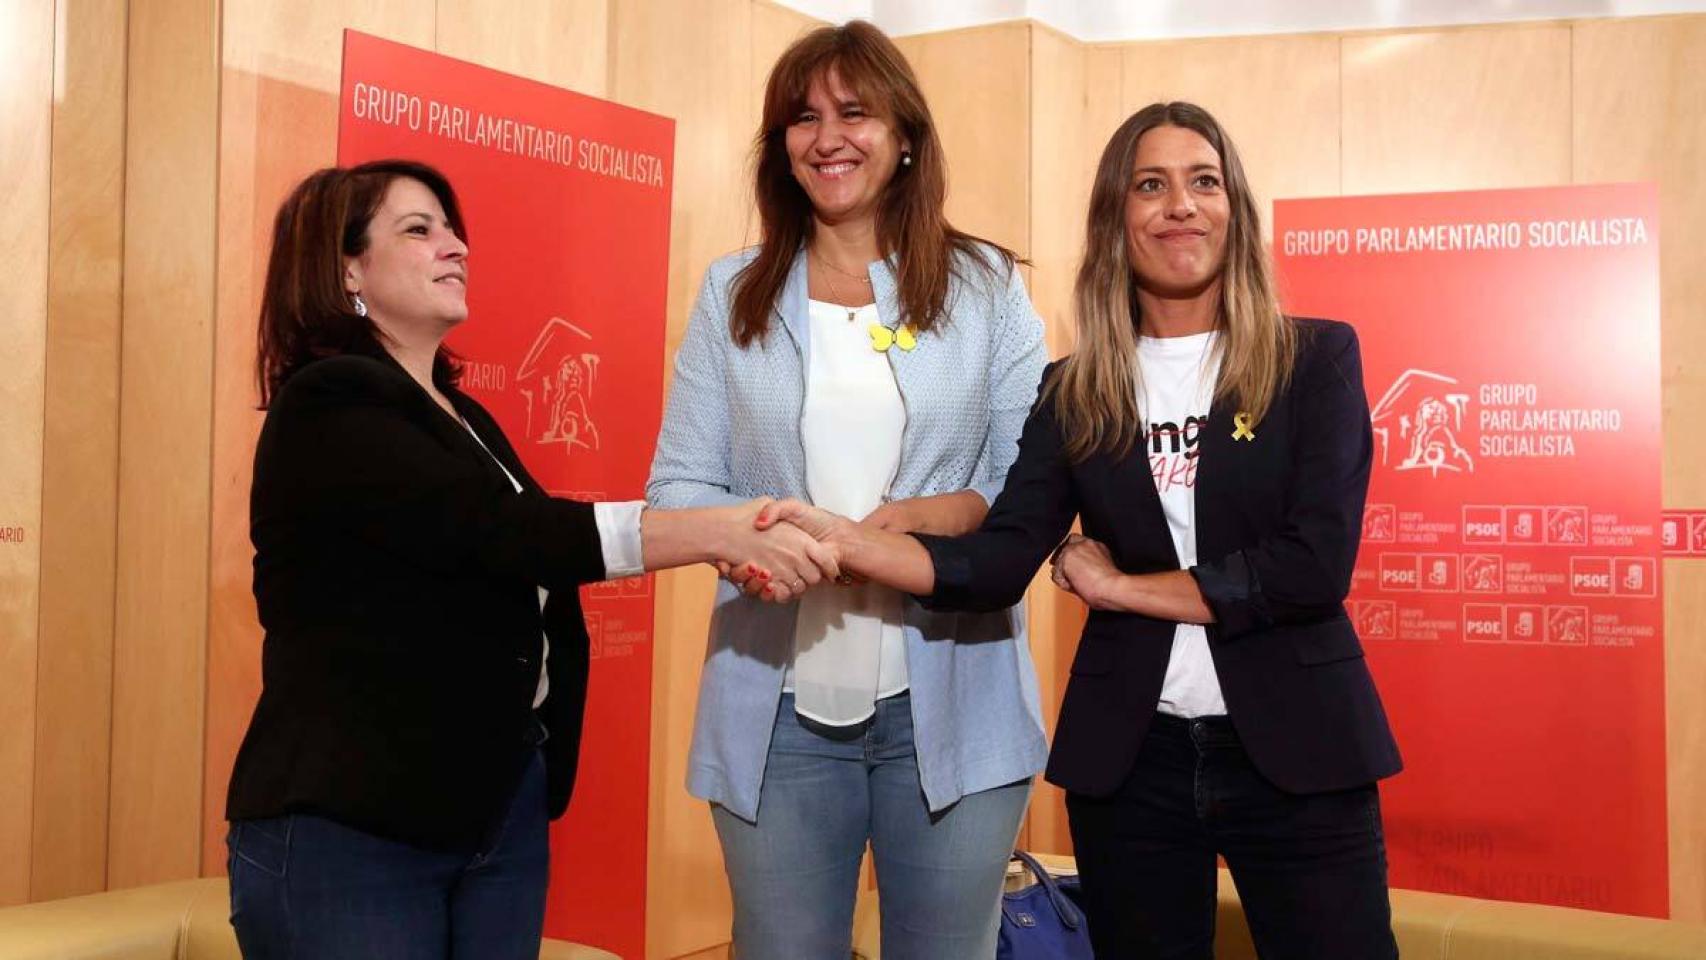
[763, 574]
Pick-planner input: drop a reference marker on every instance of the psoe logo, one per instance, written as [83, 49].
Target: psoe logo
[1398, 571]
[1483, 623]
[556, 377]
[1426, 413]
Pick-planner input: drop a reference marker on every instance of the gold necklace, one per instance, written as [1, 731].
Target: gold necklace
[834, 291]
[882, 337]
[866, 280]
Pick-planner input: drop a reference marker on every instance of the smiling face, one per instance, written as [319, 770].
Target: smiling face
[413, 276]
[840, 153]
[1176, 213]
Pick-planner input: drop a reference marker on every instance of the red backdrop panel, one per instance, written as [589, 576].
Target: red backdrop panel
[566, 199]
[1507, 589]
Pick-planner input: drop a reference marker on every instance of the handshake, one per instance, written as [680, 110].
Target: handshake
[776, 550]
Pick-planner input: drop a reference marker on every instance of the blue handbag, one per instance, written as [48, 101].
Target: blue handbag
[1041, 922]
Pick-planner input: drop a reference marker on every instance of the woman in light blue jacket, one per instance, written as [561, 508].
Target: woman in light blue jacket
[866, 354]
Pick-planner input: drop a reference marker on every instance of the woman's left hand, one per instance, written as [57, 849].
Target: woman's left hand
[1086, 568]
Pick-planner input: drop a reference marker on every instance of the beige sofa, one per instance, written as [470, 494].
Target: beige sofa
[188, 920]
[1436, 926]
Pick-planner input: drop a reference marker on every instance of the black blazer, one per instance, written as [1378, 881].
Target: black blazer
[396, 570]
[1278, 521]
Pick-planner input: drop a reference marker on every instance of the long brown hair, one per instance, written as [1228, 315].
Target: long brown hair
[1093, 389]
[910, 221]
[305, 312]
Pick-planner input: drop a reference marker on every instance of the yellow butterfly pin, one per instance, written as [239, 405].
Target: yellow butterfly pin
[882, 338]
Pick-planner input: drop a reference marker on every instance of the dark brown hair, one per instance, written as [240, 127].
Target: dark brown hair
[305, 312]
[910, 222]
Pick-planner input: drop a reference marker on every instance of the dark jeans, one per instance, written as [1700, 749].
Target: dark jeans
[307, 887]
[1310, 869]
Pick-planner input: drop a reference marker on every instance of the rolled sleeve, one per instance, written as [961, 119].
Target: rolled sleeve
[619, 538]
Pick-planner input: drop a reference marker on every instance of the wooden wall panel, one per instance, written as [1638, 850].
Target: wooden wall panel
[716, 111]
[1278, 98]
[560, 42]
[1636, 107]
[80, 465]
[26, 115]
[1059, 189]
[978, 84]
[160, 638]
[1456, 110]
[1075, 106]
[278, 121]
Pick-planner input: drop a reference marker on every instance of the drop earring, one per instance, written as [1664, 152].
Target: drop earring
[360, 305]
[906, 158]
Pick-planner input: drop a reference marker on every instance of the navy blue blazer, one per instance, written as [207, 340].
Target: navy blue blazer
[1278, 522]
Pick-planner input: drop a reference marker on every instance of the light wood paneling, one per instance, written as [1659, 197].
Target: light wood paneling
[1059, 189]
[1456, 110]
[160, 637]
[26, 114]
[559, 42]
[716, 111]
[1637, 96]
[978, 83]
[1278, 98]
[1060, 173]
[279, 81]
[80, 464]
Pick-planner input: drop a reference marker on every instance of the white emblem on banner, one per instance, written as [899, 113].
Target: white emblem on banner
[1429, 416]
[557, 377]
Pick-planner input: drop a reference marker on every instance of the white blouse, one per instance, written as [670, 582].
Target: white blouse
[849, 650]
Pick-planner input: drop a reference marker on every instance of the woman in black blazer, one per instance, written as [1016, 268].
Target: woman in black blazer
[425, 662]
[1219, 702]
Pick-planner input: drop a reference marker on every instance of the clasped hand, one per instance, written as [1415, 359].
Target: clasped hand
[1084, 567]
[792, 546]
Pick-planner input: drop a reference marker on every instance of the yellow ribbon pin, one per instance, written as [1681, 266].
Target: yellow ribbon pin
[1241, 427]
[882, 338]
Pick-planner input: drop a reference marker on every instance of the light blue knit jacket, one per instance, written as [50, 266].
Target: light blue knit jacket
[731, 432]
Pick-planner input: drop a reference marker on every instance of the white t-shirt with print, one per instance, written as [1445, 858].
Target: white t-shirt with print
[1176, 377]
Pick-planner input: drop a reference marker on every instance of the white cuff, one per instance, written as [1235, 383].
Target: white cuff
[619, 538]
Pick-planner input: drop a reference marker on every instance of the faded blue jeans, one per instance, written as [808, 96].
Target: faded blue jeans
[307, 887]
[827, 792]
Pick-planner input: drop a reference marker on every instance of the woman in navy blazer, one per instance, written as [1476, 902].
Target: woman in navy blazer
[1219, 703]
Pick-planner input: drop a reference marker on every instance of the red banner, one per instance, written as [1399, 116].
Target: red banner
[567, 205]
[1507, 589]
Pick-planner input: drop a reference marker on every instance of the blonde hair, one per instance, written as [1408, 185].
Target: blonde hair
[1094, 389]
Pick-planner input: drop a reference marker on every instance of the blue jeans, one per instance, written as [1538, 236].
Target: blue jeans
[1310, 868]
[308, 888]
[827, 791]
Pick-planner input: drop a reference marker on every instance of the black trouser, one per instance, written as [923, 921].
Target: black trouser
[1310, 869]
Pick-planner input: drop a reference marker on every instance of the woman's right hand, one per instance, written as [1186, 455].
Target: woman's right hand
[861, 549]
